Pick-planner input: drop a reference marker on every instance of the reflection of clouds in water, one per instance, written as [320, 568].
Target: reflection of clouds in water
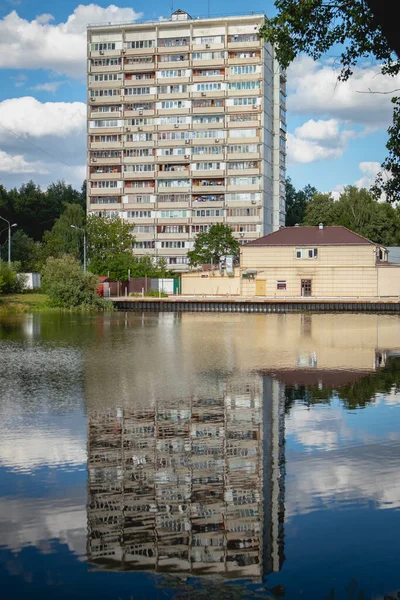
[339, 466]
[317, 427]
[392, 398]
[41, 402]
[30, 448]
[36, 522]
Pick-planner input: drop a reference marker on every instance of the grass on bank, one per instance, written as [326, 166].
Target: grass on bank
[27, 302]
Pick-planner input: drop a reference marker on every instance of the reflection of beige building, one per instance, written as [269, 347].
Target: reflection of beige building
[191, 487]
[322, 262]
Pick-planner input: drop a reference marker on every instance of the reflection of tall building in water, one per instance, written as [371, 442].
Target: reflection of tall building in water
[190, 487]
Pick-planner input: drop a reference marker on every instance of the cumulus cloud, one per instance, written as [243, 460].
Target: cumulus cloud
[318, 140]
[15, 163]
[42, 138]
[369, 170]
[40, 44]
[314, 89]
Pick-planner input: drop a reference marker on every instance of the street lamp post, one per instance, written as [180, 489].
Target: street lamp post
[84, 244]
[9, 237]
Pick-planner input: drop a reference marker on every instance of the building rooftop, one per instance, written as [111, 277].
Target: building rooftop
[175, 19]
[312, 236]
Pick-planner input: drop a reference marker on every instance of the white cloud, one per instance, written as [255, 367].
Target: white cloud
[369, 170]
[318, 140]
[43, 137]
[50, 86]
[314, 89]
[15, 163]
[61, 47]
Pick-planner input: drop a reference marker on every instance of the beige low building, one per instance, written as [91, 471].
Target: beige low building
[319, 262]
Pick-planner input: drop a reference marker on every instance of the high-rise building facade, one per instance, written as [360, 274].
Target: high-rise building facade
[186, 128]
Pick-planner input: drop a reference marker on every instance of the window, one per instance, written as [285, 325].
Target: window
[173, 214]
[106, 154]
[244, 180]
[173, 229]
[105, 93]
[140, 106]
[244, 197]
[209, 212]
[170, 42]
[242, 212]
[140, 121]
[173, 198]
[174, 183]
[212, 133]
[172, 89]
[306, 252]
[105, 62]
[140, 199]
[208, 198]
[208, 72]
[207, 150]
[139, 184]
[245, 54]
[106, 123]
[245, 164]
[171, 151]
[134, 152]
[97, 47]
[174, 135]
[244, 85]
[243, 37]
[141, 245]
[200, 228]
[138, 214]
[137, 91]
[173, 57]
[141, 44]
[105, 184]
[208, 166]
[105, 77]
[173, 104]
[106, 109]
[177, 260]
[106, 169]
[139, 168]
[138, 76]
[207, 87]
[132, 60]
[245, 227]
[208, 182]
[243, 69]
[245, 101]
[144, 229]
[104, 199]
[242, 117]
[173, 244]
[174, 73]
[207, 39]
[173, 120]
[139, 137]
[242, 133]
[105, 139]
[214, 103]
[208, 119]
[207, 55]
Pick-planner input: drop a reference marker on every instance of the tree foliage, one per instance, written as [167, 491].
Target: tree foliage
[68, 286]
[296, 202]
[62, 238]
[209, 246]
[10, 281]
[35, 210]
[124, 264]
[24, 250]
[359, 211]
[106, 238]
[314, 27]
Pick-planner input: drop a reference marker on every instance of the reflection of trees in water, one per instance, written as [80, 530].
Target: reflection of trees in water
[357, 394]
[206, 589]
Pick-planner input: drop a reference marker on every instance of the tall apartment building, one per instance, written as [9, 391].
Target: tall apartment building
[186, 128]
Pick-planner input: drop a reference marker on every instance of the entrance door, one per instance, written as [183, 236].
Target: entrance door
[306, 287]
[261, 287]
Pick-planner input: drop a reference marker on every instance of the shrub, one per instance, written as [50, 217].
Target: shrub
[68, 286]
[10, 281]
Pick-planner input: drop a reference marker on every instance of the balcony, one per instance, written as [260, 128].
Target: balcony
[140, 128]
[207, 47]
[139, 67]
[94, 191]
[173, 190]
[203, 78]
[179, 174]
[208, 62]
[139, 175]
[148, 189]
[137, 97]
[105, 176]
[173, 111]
[208, 94]
[104, 145]
[253, 171]
[245, 219]
[174, 49]
[173, 64]
[140, 113]
[133, 160]
[173, 80]
[105, 115]
[171, 143]
[104, 53]
[105, 69]
[173, 95]
[173, 236]
[94, 85]
[208, 110]
[238, 45]
[251, 60]
[174, 158]
[137, 51]
[220, 125]
[174, 126]
[104, 161]
[149, 144]
[104, 100]
[208, 187]
[209, 173]
[243, 156]
[110, 206]
[104, 130]
[249, 187]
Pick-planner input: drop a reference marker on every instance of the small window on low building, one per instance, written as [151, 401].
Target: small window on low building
[281, 285]
[306, 252]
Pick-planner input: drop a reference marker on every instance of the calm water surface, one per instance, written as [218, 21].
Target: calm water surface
[199, 456]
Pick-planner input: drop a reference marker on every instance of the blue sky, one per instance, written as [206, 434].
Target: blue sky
[336, 134]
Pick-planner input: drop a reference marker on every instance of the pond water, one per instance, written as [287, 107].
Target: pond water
[199, 456]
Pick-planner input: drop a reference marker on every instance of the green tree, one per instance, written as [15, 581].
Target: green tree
[357, 210]
[296, 202]
[68, 286]
[25, 251]
[350, 29]
[10, 282]
[62, 238]
[211, 245]
[106, 238]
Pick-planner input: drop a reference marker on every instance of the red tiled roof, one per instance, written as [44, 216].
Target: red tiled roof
[311, 236]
